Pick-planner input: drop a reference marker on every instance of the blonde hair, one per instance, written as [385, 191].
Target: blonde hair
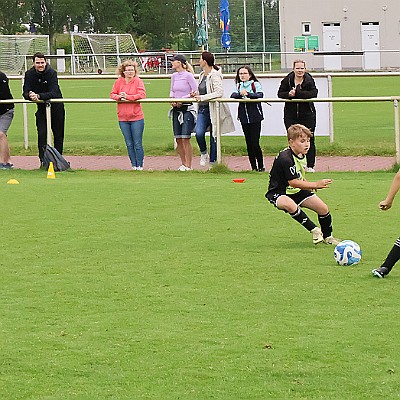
[299, 61]
[188, 67]
[128, 63]
[297, 130]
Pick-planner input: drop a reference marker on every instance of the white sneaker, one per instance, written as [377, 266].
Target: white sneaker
[182, 168]
[204, 159]
[134, 168]
[317, 235]
[139, 168]
[309, 169]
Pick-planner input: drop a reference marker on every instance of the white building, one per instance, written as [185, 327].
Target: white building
[341, 34]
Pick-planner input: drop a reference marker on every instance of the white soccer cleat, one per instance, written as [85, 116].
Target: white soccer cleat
[332, 240]
[317, 235]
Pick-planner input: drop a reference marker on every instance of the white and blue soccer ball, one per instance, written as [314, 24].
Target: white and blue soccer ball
[347, 253]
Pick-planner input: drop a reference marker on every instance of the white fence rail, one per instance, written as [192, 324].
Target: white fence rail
[393, 99]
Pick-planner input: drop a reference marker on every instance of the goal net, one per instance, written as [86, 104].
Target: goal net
[92, 52]
[16, 49]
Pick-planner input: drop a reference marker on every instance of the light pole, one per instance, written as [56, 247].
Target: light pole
[263, 23]
[245, 25]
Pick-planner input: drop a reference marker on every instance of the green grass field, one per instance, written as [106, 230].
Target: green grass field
[360, 128]
[157, 285]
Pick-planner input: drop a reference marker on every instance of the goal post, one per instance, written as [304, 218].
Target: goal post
[14, 50]
[92, 51]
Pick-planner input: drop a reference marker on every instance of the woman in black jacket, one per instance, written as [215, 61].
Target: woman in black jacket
[299, 84]
[250, 115]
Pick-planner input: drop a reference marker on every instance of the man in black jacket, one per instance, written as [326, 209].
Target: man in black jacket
[41, 83]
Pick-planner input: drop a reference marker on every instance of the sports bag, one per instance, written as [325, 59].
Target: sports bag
[52, 155]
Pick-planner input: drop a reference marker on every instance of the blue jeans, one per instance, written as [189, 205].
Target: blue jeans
[133, 134]
[203, 122]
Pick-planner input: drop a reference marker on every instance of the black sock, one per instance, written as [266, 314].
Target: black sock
[326, 224]
[393, 256]
[301, 217]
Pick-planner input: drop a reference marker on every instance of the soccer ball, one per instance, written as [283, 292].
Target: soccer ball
[347, 253]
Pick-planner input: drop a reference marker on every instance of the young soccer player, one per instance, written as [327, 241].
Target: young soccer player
[289, 190]
[394, 253]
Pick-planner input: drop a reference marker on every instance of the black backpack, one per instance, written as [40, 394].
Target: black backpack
[52, 155]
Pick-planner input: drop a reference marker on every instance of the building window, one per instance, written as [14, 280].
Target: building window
[306, 28]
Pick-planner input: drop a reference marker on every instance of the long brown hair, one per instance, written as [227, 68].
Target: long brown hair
[209, 59]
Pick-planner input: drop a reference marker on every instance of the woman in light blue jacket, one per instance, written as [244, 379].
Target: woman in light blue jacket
[250, 115]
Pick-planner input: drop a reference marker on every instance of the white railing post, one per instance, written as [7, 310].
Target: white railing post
[218, 134]
[48, 122]
[397, 129]
[330, 110]
[25, 118]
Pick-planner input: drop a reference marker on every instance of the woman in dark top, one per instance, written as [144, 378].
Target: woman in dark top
[299, 84]
[250, 115]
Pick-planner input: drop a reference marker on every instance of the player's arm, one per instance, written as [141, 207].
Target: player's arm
[306, 185]
[394, 188]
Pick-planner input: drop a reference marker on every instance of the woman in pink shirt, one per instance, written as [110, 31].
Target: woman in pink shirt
[127, 89]
[183, 114]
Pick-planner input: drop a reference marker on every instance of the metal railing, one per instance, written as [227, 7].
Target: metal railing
[393, 99]
[160, 62]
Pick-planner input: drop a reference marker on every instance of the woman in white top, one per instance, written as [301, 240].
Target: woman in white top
[210, 87]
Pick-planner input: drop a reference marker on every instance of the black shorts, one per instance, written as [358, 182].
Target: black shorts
[298, 197]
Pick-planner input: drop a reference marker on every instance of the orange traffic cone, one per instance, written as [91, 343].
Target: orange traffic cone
[50, 172]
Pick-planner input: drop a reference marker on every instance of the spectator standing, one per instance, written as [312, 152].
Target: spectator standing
[210, 86]
[250, 115]
[41, 83]
[6, 117]
[299, 84]
[127, 89]
[183, 115]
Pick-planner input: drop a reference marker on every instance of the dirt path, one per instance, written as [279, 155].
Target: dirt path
[162, 163]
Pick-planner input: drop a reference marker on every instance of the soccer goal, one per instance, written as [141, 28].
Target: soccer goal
[98, 53]
[15, 49]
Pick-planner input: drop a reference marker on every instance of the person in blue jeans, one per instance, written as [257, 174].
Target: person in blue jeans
[210, 87]
[126, 90]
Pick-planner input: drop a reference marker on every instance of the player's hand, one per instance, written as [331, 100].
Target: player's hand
[385, 205]
[323, 183]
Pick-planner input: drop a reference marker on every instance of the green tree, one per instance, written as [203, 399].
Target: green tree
[52, 15]
[12, 13]
[164, 20]
[110, 17]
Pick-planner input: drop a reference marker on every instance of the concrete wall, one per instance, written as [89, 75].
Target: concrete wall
[348, 16]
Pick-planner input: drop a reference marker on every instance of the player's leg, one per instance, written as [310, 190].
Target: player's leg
[391, 260]
[287, 204]
[324, 217]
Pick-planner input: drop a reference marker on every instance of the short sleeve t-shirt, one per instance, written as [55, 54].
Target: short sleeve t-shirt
[286, 166]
